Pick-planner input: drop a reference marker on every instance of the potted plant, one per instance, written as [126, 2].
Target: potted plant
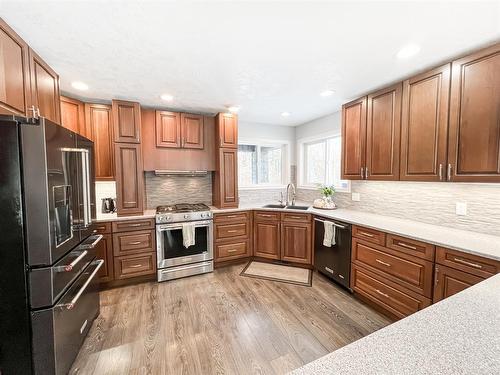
[327, 192]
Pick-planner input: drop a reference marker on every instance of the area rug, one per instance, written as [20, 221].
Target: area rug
[278, 272]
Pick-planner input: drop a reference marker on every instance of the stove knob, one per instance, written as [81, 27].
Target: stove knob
[186, 216]
[169, 218]
[202, 215]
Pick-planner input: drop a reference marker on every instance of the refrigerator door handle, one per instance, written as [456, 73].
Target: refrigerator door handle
[87, 218]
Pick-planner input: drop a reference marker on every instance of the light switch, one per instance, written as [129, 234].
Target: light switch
[461, 208]
[356, 197]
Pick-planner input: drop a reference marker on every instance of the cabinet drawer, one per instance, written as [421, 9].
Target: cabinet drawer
[102, 228]
[266, 216]
[470, 263]
[292, 216]
[397, 300]
[133, 242]
[231, 230]
[370, 235]
[134, 265]
[130, 225]
[416, 248]
[413, 273]
[232, 251]
[232, 217]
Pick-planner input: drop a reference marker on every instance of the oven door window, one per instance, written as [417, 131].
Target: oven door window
[173, 246]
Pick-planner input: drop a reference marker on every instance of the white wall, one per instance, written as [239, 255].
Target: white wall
[319, 126]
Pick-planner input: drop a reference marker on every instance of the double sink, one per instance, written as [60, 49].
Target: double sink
[292, 207]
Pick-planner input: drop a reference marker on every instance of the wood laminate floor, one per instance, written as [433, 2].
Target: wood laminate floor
[221, 323]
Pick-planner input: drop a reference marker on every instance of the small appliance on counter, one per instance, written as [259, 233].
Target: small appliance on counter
[108, 205]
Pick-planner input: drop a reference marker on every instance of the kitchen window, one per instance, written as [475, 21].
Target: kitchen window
[262, 164]
[320, 163]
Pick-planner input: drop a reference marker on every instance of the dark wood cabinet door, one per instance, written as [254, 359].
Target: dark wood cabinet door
[227, 130]
[44, 88]
[72, 115]
[225, 179]
[474, 133]
[15, 95]
[192, 131]
[448, 281]
[168, 129]
[296, 242]
[383, 127]
[99, 128]
[129, 180]
[424, 126]
[353, 139]
[126, 121]
[267, 239]
[104, 250]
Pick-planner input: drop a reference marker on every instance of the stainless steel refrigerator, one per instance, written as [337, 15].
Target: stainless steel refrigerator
[48, 268]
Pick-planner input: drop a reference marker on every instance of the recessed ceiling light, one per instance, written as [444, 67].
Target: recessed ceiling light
[408, 51]
[167, 97]
[80, 85]
[233, 108]
[327, 93]
[285, 114]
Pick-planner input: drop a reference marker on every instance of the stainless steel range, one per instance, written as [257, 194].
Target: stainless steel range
[174, 259]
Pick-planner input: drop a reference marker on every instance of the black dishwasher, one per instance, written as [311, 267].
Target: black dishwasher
[335, 261]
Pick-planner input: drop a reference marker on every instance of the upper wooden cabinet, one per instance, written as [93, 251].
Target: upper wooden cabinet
[179, 130]
[383, 127]
[474, 141]
[424, 125]
[353, 139]
[73, 115]
[126, 121]
[227, 130]
[129, 179]
[44, 88]
[99, 128]
[15, 95]
[225, 184]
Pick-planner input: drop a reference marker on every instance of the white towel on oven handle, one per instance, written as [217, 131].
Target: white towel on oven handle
[188, 234]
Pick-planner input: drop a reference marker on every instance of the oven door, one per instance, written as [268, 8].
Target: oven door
[170, 248]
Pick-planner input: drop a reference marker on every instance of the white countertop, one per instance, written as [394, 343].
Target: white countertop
[114, 217]
[459, 335]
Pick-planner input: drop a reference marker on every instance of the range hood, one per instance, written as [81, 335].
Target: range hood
[180, 173]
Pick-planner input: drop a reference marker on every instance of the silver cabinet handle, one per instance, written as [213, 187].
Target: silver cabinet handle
[135, 243]
[232, 250]
[232, 231]
[402, 244]
[231, 216]
[475, 265]
[133, 225]
[136, 266]
[436, 276]
[440, 172]
[366, 234]
[450, 168]
[75, 299]
[69, 267]
[382, 262]
[381, 293]
[263, 215]
[362, 172]
[366, 173]
[93, 244]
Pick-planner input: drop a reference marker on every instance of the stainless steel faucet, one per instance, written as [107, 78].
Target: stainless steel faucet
[290, 185]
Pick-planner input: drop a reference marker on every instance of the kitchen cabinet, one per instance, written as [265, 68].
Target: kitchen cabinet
[225, 179]
[174, 157]
[354, 139]
[104, 250]
[15, 91]
[44, 88]
[99, 128]
[448, 281]
[179, 130]
[232, 236]
[126, 121]
[129, 179]
[424, 128]
[266, 240]
[296, 242]
[474, 131]
[383, 127]
[73, 115]
[227, 130]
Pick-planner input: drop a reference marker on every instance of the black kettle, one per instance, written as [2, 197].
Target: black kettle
[108, 205]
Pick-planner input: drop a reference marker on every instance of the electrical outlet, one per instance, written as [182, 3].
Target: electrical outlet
[461, 208]
[356, 197]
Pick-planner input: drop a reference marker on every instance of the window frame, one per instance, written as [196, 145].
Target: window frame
[285, 162]
[302, 161]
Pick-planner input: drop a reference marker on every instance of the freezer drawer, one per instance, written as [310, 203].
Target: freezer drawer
[58, 332]
[335, 261]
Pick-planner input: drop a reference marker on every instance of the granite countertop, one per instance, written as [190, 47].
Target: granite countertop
[458, 335]
[113, 217]
[470, 242]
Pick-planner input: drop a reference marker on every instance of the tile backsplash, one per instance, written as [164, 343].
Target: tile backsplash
[427, 202]
[104, 189]
[162, 190]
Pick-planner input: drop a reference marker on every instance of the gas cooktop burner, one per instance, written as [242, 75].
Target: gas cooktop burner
[182, 207]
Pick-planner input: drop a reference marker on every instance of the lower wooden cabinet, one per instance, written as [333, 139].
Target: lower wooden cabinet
[104, 251]
[233, 250]
[232, 236]
[296, 242]
[448, 281]
[134, 265]
[134, 242]
[266, 239]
